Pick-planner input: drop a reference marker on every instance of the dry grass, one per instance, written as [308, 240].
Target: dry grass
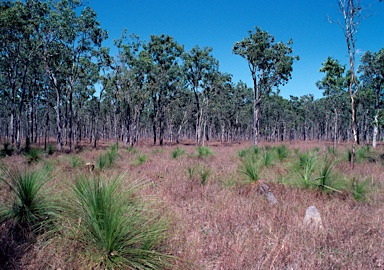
[217, 225]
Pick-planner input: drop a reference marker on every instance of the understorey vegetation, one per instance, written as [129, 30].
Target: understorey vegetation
[192, 211]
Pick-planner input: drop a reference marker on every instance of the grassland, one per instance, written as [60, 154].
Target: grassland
[197, 208]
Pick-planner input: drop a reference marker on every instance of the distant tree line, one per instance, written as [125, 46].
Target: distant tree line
[58, 81]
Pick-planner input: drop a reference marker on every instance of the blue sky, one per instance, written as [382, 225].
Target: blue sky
[220, 23]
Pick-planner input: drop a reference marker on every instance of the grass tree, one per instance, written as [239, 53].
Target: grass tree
[114, 228]
[28, 204]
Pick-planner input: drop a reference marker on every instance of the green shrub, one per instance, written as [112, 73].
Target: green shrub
[114, 229]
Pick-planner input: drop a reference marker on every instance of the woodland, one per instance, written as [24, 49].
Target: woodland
[154, 158]
[58, 81]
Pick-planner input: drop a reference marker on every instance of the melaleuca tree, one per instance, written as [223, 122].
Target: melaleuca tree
[372, 69]
[270, 64]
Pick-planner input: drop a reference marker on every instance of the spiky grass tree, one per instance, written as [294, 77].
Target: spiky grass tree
[282, 152]
[203, 151]
[33, 155]
[306, 167]
[28, 204]
[250, 169]
[114, 228]
[177, 152]
[325, 174]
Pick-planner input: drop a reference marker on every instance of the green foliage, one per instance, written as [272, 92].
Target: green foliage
[268, 158]
[305, 167]
[33, 155]
[204, 174]
[191, 172]
[112, 155]
[75, 161]
[108, 158]
[177, 152]
[250, 169]
[363, 154]
[360, 189]
[243, 153]
[332, 150]
[325, 176]
[130, 149]
[102, 161]
[140, 159]
[114, 229]
[28, 204]
[203, 151]
[282, 152]
[256, 150]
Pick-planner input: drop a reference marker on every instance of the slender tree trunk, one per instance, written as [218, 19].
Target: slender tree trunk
[70, 128]
[58, 120]
[256, 108]
[375, 128]
[335, 129]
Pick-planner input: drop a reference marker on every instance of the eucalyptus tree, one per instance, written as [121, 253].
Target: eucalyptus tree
[136, 63]
[232, 106]
[372, 69]
[19, 46]
[277, 118]
[270, 64]
[303, 122]
[198, 64]
[216, 85]
[70, 39]
[164, 75]
[332, 85]
[352, 13]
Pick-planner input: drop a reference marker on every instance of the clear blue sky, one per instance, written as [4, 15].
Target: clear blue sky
[220, 23]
